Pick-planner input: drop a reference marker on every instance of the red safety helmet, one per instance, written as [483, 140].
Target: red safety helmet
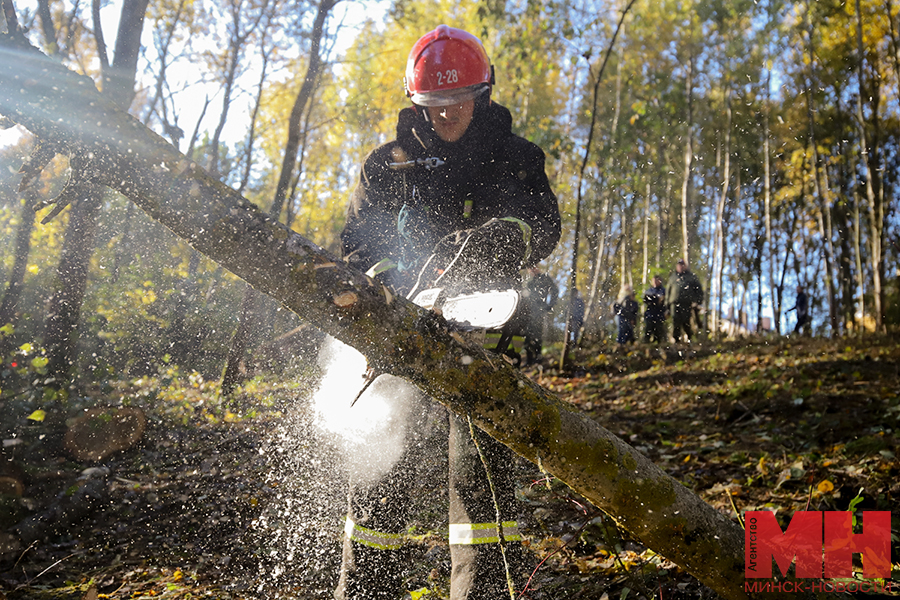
[447, 66]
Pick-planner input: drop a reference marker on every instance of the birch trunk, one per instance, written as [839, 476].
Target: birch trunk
[822, 208]
[688, 183]
[868, 158]
[719, 254]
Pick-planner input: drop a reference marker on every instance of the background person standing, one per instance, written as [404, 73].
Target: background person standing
[801, 305]
[684, 293]
[655, 312]
[626, 309]
[539, 295]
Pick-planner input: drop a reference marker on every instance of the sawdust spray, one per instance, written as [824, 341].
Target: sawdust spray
[322, 445]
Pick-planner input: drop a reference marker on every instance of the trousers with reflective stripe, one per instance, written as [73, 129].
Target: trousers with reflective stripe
[374, 555]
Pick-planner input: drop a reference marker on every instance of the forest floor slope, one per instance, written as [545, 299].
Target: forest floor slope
[244, 499]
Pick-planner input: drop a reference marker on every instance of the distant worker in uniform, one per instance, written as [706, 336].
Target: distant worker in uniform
[576, 321]
[626, 309]
[801, 305]
[655, 312]
[684, 294]
[540, 295]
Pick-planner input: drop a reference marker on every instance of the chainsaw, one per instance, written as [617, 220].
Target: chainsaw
[463, 308]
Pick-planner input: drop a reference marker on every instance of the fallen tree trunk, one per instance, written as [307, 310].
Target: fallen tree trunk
[107, 146]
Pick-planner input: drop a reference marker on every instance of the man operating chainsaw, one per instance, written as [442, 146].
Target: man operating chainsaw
[456, 200]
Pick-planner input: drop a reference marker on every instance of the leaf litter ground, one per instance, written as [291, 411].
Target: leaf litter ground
[245, 499]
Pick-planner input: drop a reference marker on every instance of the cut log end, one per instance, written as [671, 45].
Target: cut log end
[100, 432]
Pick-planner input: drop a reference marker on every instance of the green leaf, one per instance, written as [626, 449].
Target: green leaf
[39, 362]
[37, 415]
[854, 502]
[26, 348]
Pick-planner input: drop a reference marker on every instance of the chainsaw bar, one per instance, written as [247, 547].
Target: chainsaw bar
[478, 310]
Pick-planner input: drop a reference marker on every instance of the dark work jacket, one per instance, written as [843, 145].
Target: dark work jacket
[655, 303]
[802, 305]
[627, 309]
[684, 290]
[489, 172]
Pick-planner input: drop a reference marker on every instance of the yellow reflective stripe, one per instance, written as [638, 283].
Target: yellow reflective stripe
[371, 538]
[491, 339]
[467, 208]
[483, 533]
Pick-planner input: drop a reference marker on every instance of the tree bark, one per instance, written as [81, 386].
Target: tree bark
[869, 159]
[767, 194]
[822, 206]
[397, 336]
[10, 305]
[687, 184]
[719, 252]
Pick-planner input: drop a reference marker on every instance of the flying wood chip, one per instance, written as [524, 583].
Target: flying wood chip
[345, 299]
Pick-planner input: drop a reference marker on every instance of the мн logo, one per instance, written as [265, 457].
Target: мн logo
[823, 544]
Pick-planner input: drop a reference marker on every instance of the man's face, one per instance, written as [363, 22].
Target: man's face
[657, 282]
[679, 267]
[451, 122]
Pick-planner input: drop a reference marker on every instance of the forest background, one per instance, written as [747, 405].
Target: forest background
[756, 139]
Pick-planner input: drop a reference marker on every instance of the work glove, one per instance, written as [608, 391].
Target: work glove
[487, 254]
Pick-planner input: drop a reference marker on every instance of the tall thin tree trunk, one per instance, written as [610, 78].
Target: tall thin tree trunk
[238, 38]
[767, 184]
[821, 204]
[857, 253]
[687, 184]
[10, 305]
[64, 310]
[573, 272]
[719, 233]
[895, 47]
[645, 235]
[14, 287]
[665, 218]
[605, 213]
[868, 158]
[602, 246]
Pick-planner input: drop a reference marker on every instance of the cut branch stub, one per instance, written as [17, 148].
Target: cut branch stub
[41, 155]
[80, 174]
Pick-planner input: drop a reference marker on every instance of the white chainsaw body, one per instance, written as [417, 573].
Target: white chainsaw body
[476, 310]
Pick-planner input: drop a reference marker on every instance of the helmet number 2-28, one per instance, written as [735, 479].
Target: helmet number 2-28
[448, 76]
